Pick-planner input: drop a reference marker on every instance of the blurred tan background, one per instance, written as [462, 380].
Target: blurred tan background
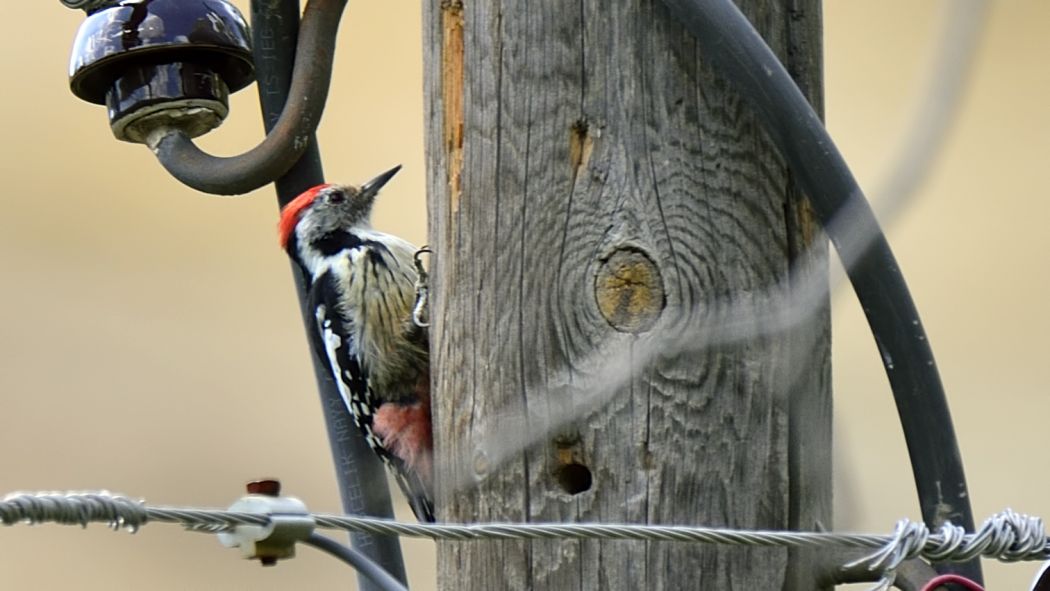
[149, 342]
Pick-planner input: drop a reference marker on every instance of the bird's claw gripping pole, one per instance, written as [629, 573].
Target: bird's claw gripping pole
[421, 309]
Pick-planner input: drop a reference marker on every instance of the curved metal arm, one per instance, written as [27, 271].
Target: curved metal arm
[736, 50]
[88, 6]
[289, 137]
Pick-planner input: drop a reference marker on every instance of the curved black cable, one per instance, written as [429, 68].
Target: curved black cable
[360, 562]
[290, 135]
[736, 50]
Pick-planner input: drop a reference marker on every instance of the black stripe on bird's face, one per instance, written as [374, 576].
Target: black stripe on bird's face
[339, 241]
[336, 241]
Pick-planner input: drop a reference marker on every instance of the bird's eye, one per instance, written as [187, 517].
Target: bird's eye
[336, 198]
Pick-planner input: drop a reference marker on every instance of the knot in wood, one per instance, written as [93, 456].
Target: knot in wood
[629, 290]
[481, 464]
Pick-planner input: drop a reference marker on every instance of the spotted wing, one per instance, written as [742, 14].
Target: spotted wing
[333, 340]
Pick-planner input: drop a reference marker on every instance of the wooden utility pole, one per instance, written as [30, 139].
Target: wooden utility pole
[592, 186]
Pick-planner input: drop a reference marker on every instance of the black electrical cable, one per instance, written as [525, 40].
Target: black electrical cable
[375, 573]
[736, 50]
[290, 135]
[359, 474]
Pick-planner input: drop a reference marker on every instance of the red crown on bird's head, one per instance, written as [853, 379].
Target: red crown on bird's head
[291, 213]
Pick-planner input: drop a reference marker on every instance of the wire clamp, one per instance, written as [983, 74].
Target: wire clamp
[289, 522]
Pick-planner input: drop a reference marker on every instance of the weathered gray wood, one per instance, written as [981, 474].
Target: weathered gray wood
[588, 177]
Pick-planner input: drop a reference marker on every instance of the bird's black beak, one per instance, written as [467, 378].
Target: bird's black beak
[372, 187]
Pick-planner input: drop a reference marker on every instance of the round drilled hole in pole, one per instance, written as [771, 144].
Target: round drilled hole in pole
[574, 478]
[629, 290]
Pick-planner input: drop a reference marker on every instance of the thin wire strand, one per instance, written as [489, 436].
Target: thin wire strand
[960, 581]
[951, 67]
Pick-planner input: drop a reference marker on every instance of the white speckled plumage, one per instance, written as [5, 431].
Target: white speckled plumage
[362, 288]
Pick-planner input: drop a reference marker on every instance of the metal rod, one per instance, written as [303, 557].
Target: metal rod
[361, 477]
[728, 41]
[289, 133]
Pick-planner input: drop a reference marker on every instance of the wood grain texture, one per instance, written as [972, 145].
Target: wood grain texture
[588, 129]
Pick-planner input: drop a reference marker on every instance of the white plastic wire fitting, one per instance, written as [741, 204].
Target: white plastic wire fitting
[289, 522]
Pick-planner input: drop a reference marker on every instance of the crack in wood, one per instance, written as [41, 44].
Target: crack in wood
[581, 144]
[452, 94]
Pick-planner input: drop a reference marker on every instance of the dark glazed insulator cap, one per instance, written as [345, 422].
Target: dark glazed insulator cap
[162, 64]
[210, 33]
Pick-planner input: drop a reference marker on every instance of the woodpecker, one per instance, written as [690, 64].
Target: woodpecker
[362, 294]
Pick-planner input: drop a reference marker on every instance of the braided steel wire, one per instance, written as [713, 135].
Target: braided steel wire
[1007, 536]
